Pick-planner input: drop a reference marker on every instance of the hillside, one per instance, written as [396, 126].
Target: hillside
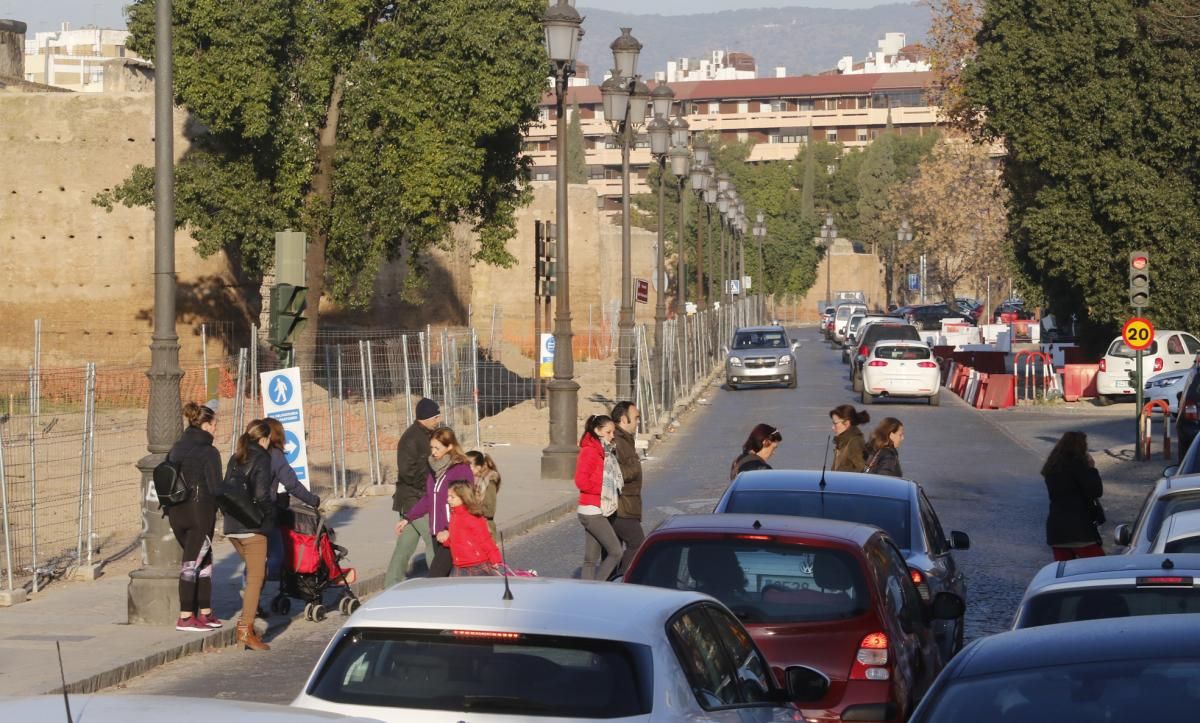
[803, 40]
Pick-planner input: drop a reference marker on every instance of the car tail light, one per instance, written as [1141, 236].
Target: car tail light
[1158, 364]
[1164, 581]
[927, 365]
[876, 363]
[918, 579]
[752, 537]
[862, 350]
[1103, 365]
[485, 634]
[1189, 413]
[871, 661]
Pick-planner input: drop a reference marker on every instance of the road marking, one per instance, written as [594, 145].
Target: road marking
[699, 501]
[670, 511]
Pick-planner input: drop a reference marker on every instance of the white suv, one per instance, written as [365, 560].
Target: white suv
[896, 368]
[1170, 351]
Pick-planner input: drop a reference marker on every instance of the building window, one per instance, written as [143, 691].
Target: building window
[541, 174]
[642, 142]
[596, 173]
[831, 136]
[743, 106]
[805, 104]
[766, 107]
[778, 106]
[743, 136]
[610, 143]
[862, 134]
[714, 108]
[544, 115]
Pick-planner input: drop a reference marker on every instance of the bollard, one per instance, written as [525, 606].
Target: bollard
[1147, 414]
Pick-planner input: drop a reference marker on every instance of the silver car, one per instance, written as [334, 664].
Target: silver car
[760, 355]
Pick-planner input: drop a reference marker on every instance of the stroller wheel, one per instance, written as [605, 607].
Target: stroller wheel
[347, 605]
[281, 605]
[318, 613]
[308, 611]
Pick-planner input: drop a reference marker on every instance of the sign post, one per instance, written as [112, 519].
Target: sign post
[1138, 334]
[282, 400]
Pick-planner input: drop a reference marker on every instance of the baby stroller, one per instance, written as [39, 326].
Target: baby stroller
[311, 565]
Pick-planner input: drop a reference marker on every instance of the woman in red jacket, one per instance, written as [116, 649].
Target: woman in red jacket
[471, 545]
[595, 469]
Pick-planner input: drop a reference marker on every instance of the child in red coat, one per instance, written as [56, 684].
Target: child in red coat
[471, 545]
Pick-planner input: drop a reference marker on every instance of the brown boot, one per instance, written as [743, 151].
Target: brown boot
[246, 636]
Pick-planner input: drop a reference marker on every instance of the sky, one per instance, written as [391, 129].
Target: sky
[42, 15]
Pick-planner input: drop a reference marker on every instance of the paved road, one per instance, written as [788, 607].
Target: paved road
[981, 479]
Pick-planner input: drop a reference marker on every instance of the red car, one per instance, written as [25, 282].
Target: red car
[834, 596]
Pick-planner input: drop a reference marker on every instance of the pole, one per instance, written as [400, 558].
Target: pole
[153, 588]
[342, 422]
[660, 271]
[923, 277]
[1139, 401]
[680, 261]
[625, 340]
[537, 322]
[828, 268]
[8, 556]
[700, 295]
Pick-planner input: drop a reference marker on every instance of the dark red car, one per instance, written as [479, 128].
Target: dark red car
[834, 596]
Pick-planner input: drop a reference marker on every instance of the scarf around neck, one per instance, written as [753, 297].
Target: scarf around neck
[439, 466]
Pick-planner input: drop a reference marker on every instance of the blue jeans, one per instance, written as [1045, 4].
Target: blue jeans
[274, 553]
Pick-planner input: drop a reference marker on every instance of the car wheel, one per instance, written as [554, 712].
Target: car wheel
[792, 384]
[856, 382]
[867, 397]
[935, 400]
[732, 387]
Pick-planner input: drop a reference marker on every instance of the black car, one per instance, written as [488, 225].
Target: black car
[875, 333]
[897, 506]
[1127, 669]
[929, 316]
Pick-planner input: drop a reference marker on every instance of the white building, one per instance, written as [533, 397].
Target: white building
[893, 56]
[75, 59]
[721, 65]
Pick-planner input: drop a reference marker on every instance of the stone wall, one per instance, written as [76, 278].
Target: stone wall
[851, 272]
[12, 49]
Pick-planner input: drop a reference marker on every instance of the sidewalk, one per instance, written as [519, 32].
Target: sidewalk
[101, 649]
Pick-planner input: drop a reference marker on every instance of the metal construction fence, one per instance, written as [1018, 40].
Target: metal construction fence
[70, 493]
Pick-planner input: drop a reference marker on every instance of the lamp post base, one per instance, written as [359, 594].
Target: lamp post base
[153, 594]
[558, 459]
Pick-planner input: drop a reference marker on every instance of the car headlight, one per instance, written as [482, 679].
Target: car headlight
[1169, 382]
[785, 361]
[735, 361]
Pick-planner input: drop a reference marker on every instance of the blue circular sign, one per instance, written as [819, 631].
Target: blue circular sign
[279, 389]
[291, 446]
[550, 344]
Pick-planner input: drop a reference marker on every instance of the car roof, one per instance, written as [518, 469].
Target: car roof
[1159, 334]
[1182, 483]
[809, 480]
[1112, 639]
[905, 342]
[1185, 523]
[157, 708]
[849, 533]
[1087, 572]
[543, 606]
[757, 328]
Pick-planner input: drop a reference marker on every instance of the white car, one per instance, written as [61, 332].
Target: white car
[901, 369]
[1170, 351]
[1180, 533]
[841, 318]
[451, 650]
[1167, 387]
[157, 709]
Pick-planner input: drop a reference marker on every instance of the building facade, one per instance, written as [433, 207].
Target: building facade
[78, 59]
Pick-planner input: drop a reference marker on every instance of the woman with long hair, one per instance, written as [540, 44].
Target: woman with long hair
[599, 480]
[283, 476]
[849, 453]
[885, 443]
[758, 448]
[194, 520]
[252, 463]
[1075, 489]
[487, 486]
[448, 465]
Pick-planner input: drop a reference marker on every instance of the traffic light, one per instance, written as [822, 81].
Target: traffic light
[1139, 279]
[288, 304]
[546, 248]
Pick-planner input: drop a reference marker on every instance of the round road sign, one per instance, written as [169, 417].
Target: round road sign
[1138, 333]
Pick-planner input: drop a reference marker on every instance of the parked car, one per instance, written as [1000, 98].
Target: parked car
[1180, 533]
[156, 709]
[1187, 422]
[897, 506]
[853, 332]
[833, 596]
[1016, 307]
[901, 369]
[567, 650]
[826, 320]
[842, 317]
[1170, 351]
[1168, 496]
[1167, 386]
[928, 317]
[1133, 669]
[1189, 456]
[761, 355]
[851, 327]
[1114, 586]
[872, 335]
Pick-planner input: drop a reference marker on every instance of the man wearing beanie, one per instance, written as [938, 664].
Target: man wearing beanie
[412, 467]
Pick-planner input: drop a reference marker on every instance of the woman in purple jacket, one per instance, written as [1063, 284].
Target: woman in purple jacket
[449, 465]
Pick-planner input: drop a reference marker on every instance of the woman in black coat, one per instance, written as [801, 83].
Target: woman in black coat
[253, 463]
[1075, 490]
[884, 457]
[760, 445]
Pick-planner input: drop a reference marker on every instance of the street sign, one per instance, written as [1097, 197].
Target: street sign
[282, 400]
[643, 291]
[914, 282]
[1138, 333]
[546, 356]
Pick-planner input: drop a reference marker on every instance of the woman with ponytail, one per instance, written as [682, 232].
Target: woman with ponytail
[760, 445]
[598, 477]
[252, 464]
[850, 448]
[193, 521]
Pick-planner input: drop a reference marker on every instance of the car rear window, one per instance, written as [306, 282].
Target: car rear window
[1167, 505]
[1182, 544]
[877, 332]
[759, 340]
[480, 672]
[890, 514]
[902, 352]
[761, 581]
[1121, 349]
[1112, 690]
[1096, 603]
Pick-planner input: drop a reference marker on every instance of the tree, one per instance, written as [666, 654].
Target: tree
[1098, 116]
[952, 30]
[876, 177]
[956, 205]
[577, 170]
[374, 126]
[808, 185]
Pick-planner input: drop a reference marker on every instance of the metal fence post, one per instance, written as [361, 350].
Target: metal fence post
[91, 463]
[33, 429]
[83, 460]
[329, 408]
[8, 552]
[238, 401]
[254, 371]
[362, 365]
[408, 405]
[425, 342]
[204, 355]
[342, 421]
[374, 436]
[475, 384]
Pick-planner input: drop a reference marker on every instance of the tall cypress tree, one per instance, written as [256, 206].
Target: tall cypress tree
[577, 170]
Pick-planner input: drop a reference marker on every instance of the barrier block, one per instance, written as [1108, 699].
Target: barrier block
[1001, 392]
[981, 390]
[1079, 381]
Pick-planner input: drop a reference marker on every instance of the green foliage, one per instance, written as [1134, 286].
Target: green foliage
[1098, 115]
[427, 101]
[577, 170]
[876, 177]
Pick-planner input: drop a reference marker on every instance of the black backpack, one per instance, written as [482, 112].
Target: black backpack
[170, 485]
[236, 500]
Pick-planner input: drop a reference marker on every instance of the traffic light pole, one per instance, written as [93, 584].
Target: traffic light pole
[1140, 400]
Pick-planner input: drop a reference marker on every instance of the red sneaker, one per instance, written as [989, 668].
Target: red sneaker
[209, 620]
[191, 624]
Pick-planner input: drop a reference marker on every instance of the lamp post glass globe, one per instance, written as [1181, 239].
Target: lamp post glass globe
[561, 24]
[722, 202]
[615, 96]
[722, 182]
[659, 131]
[626, 50]
[701, 148]
[699, 176]
[679, 132]
[681, 162]
[661, 99]
[639, 102]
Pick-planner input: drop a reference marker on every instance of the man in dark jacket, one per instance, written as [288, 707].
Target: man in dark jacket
[412, 468]
[628, 521]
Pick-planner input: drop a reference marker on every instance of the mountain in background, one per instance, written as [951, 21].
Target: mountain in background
[803, 40]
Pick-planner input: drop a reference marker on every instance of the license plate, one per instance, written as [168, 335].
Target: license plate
[1122, 383]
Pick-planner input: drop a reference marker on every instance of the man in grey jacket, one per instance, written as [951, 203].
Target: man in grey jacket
[412, 468]
[628, 521]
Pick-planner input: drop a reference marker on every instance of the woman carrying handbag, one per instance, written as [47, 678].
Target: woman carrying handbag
[1075, 489]
[248, 501]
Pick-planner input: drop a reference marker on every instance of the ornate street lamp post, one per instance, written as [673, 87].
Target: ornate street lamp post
[760, 233]
[829, 233]
[903, 236]
[681, 168]
[562, 26]
[659, 130]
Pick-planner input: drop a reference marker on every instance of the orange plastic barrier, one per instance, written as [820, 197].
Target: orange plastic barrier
[1079, 381]
[1147, 413]
[1001, 392]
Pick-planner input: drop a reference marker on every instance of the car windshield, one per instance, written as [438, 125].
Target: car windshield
[1113, 690]
[759, 340]
[1096, 603]
[1121, 349]
[898, 332]
[761, 581]
[902, 352]
[890, 514]
[480, 672]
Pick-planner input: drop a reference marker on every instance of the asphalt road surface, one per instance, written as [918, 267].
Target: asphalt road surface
[981, 480]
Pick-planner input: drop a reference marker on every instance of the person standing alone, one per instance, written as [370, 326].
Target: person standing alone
[412, 469]
[1075, 489]
[628, 521]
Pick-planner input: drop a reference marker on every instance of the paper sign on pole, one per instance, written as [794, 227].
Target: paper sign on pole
[282, 400]
[546, 356]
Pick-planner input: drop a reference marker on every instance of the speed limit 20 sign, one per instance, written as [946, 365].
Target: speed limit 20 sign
[1138, 333]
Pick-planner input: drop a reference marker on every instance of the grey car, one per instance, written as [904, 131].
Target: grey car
[760, 355]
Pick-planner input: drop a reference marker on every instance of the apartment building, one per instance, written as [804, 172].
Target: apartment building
[77, 59]
[779, 114]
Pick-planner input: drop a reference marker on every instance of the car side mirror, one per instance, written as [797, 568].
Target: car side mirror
[805, 685]
[1170, 471]
[959, 540]
[795, 345]
[947, 606]
[1123, 535]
